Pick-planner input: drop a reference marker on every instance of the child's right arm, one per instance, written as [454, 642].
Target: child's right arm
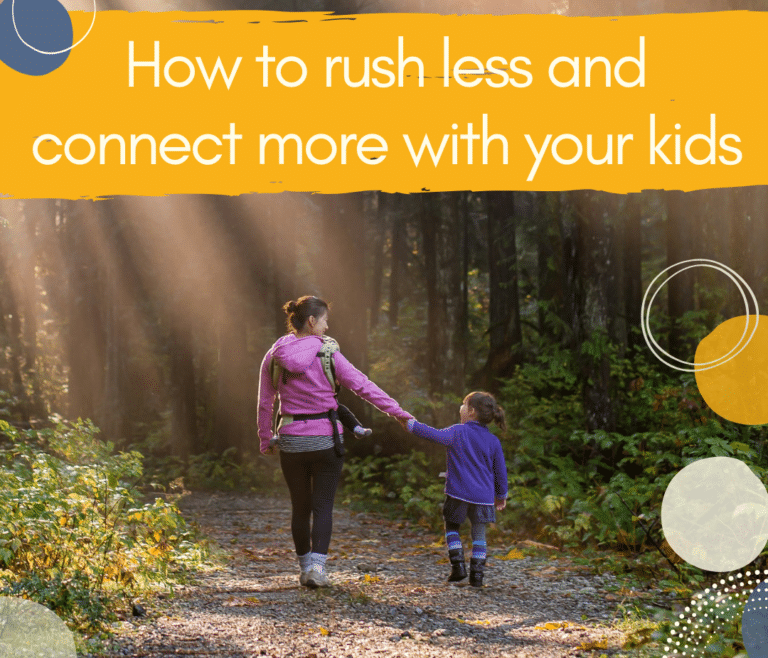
[445, 436]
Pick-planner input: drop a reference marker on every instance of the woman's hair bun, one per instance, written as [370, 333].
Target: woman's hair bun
[303, 308]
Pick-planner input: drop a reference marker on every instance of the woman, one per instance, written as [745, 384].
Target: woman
[310, 439]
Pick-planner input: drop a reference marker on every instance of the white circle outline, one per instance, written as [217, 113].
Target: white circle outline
[646, 314]
[746, 324]
[52, 52]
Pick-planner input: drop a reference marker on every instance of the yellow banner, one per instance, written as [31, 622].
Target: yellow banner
[238, 102]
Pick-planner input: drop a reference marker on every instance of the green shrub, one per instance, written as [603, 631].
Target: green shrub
[408, 483]
[570, 486]
[75, 534]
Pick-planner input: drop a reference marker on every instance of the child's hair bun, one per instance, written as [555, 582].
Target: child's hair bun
[487, 409]
[290, 307]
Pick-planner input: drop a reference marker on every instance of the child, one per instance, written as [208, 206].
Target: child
[476, 479]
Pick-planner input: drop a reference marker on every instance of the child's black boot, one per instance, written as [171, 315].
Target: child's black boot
[458, 566]
[476, 572]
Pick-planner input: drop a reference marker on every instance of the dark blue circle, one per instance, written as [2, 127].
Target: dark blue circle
[44, 24]
[754, 623]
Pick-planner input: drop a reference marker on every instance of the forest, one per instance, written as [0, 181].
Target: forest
[150, 317]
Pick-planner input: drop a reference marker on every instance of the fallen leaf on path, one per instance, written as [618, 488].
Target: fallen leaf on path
[474, 622]
[556, 625]
[244, 602]
[514, 554]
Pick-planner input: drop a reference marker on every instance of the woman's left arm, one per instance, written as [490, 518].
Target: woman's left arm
[267, 393]
[351, 378]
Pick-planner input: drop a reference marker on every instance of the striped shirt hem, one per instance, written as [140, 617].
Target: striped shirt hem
[290, 443]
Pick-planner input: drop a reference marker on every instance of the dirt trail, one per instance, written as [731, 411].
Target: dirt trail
[389, 596]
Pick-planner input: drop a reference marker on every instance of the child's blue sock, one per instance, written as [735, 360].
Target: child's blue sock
[479, 546]
[453, 540]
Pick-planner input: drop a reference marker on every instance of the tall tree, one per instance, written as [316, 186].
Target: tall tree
[341, 279]
[680, 287]
[430, 222]
[460, 289]
[242, 250]
[85, 339]
[283, 257]
[549, 258]
[504, 306]
[398, 255]
[633, 267]
[378, 230]
[593, 255]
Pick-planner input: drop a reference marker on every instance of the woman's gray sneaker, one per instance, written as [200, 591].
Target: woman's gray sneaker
[303, 578]
[317, 579]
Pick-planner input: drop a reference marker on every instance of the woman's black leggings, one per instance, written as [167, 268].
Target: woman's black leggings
[312, 479]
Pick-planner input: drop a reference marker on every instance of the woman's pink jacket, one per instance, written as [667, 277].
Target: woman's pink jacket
[305, 389]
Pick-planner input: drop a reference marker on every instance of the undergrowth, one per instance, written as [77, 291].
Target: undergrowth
[76, 533]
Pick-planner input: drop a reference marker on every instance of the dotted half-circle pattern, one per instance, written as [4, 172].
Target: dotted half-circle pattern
[695, 631]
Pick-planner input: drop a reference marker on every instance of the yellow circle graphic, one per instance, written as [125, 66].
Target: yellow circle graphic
[738, 389]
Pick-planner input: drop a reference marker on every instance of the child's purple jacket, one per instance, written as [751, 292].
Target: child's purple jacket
[476, 471]
[306, 389]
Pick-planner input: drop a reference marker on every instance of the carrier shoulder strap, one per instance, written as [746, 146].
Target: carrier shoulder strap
[330, 346]
[277, 372]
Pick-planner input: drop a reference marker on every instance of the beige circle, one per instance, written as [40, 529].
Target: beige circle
[715, 514]
[30, 629]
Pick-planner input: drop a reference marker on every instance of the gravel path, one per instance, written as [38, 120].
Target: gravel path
[389, 596]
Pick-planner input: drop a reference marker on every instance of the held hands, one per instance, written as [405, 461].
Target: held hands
[501, 504]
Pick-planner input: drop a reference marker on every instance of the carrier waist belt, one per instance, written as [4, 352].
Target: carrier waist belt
[318, 416]
[331, 415]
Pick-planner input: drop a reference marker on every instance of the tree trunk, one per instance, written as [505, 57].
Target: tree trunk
[283, 246]
[633, 292]
[85, 338]
[680, 288]
[34, 215]
[11, 311]
[243, 250]
[429, 226]
[183, 393]
[461, 346]
[379, 232]
[549, 261]
[397, 258]
[504, 307]
[759, 211]
[342, 282]
[593, 278]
